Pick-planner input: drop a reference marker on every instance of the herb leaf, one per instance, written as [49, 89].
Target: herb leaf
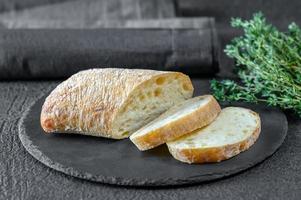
[268, 62]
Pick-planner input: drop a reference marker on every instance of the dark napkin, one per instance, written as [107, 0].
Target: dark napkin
[8, 5]
[86, 13]
[59, 53]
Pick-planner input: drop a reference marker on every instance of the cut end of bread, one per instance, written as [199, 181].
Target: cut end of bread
[150, 100]
[179, 120]
[233, 131]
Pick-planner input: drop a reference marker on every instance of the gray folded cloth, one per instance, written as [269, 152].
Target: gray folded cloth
[63, 38]
[173, 23]
[87, 13]
[8, 5]
[58, 53]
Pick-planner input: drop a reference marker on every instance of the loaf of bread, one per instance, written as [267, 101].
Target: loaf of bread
[233, 131]
[179, 120]
[112, 103]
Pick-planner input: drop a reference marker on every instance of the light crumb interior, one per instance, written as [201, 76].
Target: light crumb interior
[173, 114]
[233, 125]
[149, 101]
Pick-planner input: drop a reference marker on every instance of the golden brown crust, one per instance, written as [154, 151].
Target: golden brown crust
[88, 101]
[186, 124]
[215, 154]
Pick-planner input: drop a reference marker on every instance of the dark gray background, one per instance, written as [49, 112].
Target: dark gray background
[22, 177]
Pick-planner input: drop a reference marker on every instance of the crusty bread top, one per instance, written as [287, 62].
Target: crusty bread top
[89, 100]
[233, 125]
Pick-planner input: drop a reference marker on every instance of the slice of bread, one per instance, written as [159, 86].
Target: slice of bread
[112, 102]
[233, 131]
[181, 119]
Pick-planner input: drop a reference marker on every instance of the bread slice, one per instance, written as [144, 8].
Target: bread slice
[181, 119]
[112, 102]
[233, 131]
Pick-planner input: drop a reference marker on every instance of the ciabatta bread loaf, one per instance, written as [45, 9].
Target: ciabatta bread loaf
[111, 102]
[233, 131]
[179, 120]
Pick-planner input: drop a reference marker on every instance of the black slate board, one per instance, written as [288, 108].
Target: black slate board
[120, 162]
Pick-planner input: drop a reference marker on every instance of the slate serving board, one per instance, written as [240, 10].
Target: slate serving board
[120, 162]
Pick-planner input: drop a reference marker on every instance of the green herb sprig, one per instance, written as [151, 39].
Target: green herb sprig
[268, 62]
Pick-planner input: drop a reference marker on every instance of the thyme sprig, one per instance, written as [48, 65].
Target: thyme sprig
[268, 63]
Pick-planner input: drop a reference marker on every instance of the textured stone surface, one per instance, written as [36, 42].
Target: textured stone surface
[22, 177]
[279, 12]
